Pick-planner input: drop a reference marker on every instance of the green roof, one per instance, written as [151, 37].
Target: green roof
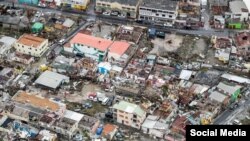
[129, 108]
[37, 25]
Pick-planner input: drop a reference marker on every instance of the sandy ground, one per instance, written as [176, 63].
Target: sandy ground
[106, 31]
[171, 43]
[210, 58]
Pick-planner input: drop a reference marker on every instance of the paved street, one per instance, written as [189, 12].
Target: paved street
[228, 115]
[90, 14]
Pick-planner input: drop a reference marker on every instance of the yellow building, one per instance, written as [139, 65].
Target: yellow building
[76, 4]
[128, 8]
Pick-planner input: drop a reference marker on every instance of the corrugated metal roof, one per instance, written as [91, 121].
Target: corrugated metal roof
[51, 79]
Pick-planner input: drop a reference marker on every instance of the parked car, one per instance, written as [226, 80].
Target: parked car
[114, 13]
[92, 96]
[62, 41]
[167, 25]
[122, 16]
[105, 101]
[87, 105]
[234, 106]
[100, 96]
[106, 13]
[236, 122]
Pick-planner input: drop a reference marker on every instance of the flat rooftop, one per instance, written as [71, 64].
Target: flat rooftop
[160, 4]
[30, 40]
[124, 2]
[36, 101]
[238, 7]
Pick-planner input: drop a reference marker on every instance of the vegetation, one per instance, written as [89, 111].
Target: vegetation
[165, 90]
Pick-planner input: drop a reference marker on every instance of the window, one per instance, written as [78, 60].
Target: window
[134, 120]
[36, 49]
[30, 48]
[126, 122]
[134, 116]
[163, 15]
[126, 117]
[157, 14]
[170, 16]
[121, 116]
[154, 11]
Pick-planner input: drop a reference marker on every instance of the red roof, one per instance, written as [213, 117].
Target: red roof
[108, 128]
[88, 40]
[119, 47]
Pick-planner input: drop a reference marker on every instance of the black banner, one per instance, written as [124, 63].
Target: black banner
[217, 132]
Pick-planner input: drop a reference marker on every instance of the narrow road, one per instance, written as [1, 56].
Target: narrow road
[116, 20]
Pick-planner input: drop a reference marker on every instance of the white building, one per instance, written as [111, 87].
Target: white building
[159, 11]
[153, 126]
[6, 43]
[89, 46]
[46, 135]
[31, 45]
[129, 114]
[239, 10]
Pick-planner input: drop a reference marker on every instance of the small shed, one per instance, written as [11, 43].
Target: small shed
[37, 27]
[104, 67]
[68, 23]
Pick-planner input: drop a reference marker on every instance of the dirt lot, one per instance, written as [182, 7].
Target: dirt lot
[192, 47]
[90, 88]
[170, 44]
[210, 58]
[105, 32]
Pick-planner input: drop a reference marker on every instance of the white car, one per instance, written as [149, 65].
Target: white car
[122, 16]
[114, 13]
[61, 41]
[167, 25]
[106, 13]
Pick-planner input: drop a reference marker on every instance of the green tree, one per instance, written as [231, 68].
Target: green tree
[165, 90]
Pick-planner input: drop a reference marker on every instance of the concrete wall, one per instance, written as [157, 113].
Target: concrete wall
[114, 55]
[88, 51]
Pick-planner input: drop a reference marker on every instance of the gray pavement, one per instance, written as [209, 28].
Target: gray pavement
[228, 115]
[116, 20]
